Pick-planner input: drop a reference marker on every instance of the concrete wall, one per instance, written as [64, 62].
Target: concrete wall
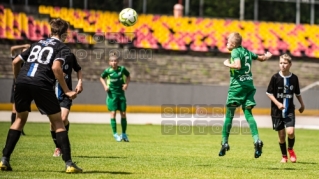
[148, 94]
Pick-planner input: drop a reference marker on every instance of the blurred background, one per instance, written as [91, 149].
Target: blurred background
[175, 51]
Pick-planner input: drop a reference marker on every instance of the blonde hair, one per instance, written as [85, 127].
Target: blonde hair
[114, 55]
[236, 38]
[285, 57]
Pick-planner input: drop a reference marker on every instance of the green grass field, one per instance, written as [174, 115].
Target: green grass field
[149, 154]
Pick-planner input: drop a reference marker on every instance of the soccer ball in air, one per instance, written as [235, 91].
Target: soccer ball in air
[128, 17]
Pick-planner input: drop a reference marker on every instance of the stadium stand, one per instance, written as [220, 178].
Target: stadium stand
[196, 34]
[165, 32]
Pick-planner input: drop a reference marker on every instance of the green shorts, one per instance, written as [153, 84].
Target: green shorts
[116, 102]
[241, 96]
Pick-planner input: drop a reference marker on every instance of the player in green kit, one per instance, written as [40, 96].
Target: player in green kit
[117, 79]
[241, 90]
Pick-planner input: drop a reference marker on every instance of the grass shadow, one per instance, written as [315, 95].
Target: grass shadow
[204, 165]
[108, 172]
[271, 168]
[308, 163]
[84, 172]
[84, 156]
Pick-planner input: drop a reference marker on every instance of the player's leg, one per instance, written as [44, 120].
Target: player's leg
[14, 116]
[251, 122]
[122, 108]
[282, 144]
[278, 125]
[124, 126]
[290, 129]
[112, 106]
[12, 139]
[231, 105]
[116, 136]
[258, 144]
[14, 112]
[230, 111]
[65, 105]
[63, 142]
[57, 150]
[247, 107]
[23, 102]
[65, 110]
[47, 103]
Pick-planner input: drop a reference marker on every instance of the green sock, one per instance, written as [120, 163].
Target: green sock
[113, 125]
[228, 123]
[252, 124]
[124, 125]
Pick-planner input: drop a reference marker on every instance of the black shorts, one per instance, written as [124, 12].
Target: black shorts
[65, 103]
[12, 93]
[44, 99]
[279, 123]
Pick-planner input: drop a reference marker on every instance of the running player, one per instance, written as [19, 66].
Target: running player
[65, 102]
[34, 81]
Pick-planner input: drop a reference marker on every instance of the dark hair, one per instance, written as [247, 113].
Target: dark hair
[58, 27]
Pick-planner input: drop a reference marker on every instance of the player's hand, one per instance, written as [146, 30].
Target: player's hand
[301, 109]
[281, 106]
[226, 62]
[268, 55]
[124, 87]
[106, 89]
[78, 89]
[71, 94]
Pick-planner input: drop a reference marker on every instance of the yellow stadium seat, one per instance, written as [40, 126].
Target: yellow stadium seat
[9, 23]
[44, 9]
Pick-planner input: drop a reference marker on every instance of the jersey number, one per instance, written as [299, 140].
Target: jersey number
[247, 64]
[37, 53]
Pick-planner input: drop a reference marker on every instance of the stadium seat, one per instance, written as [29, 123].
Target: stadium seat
[31, 29]
[17, 26]
[2, 23]
[44, 9]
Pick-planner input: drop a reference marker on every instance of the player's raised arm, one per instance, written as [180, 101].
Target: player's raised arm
[14, 48]
[264, 57]
[16, 66]
[16, 63]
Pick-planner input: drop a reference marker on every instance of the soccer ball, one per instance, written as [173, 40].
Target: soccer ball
[128, 17]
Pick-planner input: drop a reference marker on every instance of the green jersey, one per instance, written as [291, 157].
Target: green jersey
[243, 76]
[115, 78]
